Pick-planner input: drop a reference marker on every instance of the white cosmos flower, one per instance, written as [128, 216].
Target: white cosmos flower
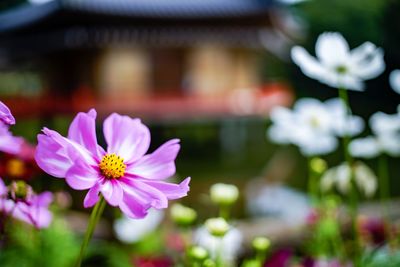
[373, 146]
[382, 123]
[130, 230]
[386, 138]
[336, 65]
[342, 123]
[394, 80]
[306, 126]
[230, 244]
[313, 125]
[340, 177]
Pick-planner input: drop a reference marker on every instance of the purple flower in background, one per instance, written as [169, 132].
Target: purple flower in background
[124, 175]
[8, 143]
[280, 258]
[5, 115]
[20, 202]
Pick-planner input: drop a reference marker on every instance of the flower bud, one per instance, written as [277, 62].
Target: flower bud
[261, 243]
[198, 253]
[20, 190]
[183, 216]
[217, 226]
[224, 194]
[318, 165]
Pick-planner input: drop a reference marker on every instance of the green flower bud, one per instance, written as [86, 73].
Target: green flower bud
[224, 194]
[198, 253]
[261, 243]
[20, 190]
[183, 216]
[318, 165]
[217, 226]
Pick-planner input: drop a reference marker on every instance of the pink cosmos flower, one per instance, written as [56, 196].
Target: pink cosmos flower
[22, 204]
[124, 175]
[8, 142]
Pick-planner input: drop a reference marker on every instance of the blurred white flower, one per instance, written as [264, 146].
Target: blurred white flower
[382, 123]
[386, 138]
[394, 80]
[373, 146]
[336, 65]
[129, 230]
[290, 206]
[340, 178]
[342, 123]
[230, 244]
[313, 125]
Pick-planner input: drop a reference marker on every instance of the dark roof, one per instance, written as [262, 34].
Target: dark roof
[157, 9]
[171, 8]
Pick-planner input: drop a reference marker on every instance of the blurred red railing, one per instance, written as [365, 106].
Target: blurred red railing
[240, 102]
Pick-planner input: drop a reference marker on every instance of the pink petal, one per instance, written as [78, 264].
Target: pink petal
[112, 191]
[82, 176]
[10, 144]
[92, 196]
[83, 131]
[158, 165]
[149, 194]
[133, 205]
[170, 190]
[55, 154]
[126, 137]
[3, 188]
[44, 199]
[5, 115]
[34, 214]
[51, 156]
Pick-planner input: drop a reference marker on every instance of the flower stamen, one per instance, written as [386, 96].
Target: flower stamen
[112, 166]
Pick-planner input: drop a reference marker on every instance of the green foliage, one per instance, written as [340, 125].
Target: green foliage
[381, 257]
[27, 247]
[358, 20]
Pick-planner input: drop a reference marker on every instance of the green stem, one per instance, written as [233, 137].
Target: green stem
[94, 219]
[384, 186]
[384, 178]
[224, 211]
[312, 183]
[218, 258]
[353, 195]
[260, 258]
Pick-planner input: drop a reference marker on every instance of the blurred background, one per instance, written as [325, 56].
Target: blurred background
[205, 71]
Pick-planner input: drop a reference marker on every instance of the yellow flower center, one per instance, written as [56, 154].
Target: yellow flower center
[112, 166]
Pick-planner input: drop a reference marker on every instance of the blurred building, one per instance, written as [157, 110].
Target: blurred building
[154, 58]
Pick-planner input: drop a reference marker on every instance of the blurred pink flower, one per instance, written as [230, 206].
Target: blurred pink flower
[125, 176]
[21, 203]
[8, 142]
[5, 115]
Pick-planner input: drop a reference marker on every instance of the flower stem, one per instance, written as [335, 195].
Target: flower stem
[384, 186]
[224, 211]
[353, 195]
[94, 219]
[218, 259]
[312, 183]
